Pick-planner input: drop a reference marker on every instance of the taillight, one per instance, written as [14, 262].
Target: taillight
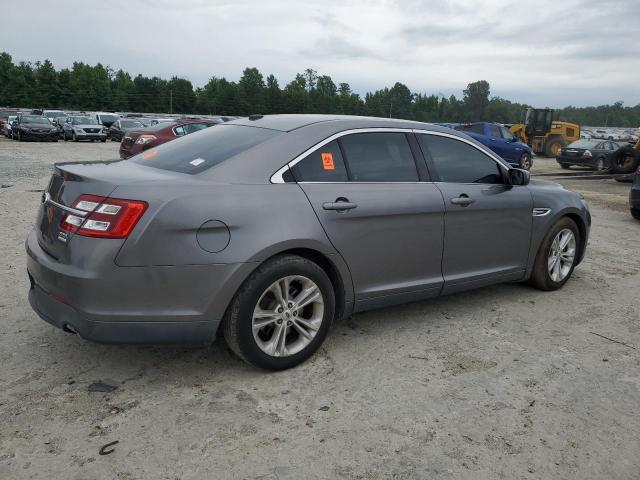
[105, 218]
[587, 154]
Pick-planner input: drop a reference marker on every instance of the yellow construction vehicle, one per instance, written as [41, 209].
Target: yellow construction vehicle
[544, 134]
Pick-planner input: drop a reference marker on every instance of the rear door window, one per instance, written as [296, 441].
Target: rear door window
[471, 128]
[196, 153]
[494, 131]
[323, 165]
[379, 157]
[194, 127]
[458, 162]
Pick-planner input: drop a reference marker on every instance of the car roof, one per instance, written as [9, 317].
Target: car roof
[290, 122]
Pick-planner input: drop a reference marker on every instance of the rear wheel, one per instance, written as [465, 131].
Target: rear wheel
[603, 165]
[564, 166]
[525, 161]
[281, 314]
[552, 146]
[557, 255]
[635, 213]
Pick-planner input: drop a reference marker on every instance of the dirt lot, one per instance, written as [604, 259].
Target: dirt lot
[503, 382]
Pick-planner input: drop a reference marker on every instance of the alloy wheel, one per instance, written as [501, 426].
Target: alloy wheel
[288, 316]
[561, 255]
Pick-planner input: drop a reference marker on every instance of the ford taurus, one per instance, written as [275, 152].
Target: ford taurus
[266, 229]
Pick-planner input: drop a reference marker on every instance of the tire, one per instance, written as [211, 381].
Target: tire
[19, 136]
[74, 137]
[564, 166]
[635, 213]
[237, 325]
[525, 162]
[540, 276]
[625, 160]
[603, 165]
[103, 140]
[552, 145]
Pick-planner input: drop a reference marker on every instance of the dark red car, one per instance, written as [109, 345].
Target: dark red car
[139, 140]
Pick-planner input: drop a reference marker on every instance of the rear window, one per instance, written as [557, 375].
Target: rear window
[199, 152]
[471, 128]
[584, 144]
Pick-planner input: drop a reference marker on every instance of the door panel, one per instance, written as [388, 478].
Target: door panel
[391, 240]
[487, 223]
[487, 238]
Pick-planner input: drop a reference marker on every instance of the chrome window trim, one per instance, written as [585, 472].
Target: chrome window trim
[487, 152]
[48, 200]
[277, 177]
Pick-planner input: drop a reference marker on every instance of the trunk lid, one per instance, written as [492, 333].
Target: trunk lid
[68, 182]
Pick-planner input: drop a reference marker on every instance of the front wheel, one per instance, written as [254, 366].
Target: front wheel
[525, 161]
[635, 213]
[282, 313]
[557, 255]
[74, 137]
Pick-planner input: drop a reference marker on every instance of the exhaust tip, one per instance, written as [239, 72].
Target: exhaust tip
[69, 329]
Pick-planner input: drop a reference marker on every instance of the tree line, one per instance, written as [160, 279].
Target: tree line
[101, 88]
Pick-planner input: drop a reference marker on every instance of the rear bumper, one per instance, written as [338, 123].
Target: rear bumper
[585, 162]
[65, 317]
[107, 303]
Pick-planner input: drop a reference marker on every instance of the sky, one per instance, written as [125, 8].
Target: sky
[544, 53]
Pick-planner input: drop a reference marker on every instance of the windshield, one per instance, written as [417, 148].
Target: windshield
[130, 124]
[204, 149]
[34, 119]
[584, 144]
[84, 121]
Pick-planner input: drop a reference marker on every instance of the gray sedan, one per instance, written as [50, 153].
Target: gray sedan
[267, 229]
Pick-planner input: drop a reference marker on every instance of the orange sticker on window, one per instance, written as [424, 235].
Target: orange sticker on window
[327, 161]
[149, 154]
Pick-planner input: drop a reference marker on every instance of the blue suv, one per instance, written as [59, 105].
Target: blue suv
[499, 139]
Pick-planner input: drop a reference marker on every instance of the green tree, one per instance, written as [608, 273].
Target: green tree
[251, 92]
[476, 100]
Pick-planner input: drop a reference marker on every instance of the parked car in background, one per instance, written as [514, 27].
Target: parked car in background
[172, 247]
[634, 196]
[4, 115]
[59, 124]
[156, 121]
[136, 141]
[117, 129]
[6, 128]
[595, 154]
[502, 141]
[106, 119]
[33, 127]
[78, 128]
[52, 115]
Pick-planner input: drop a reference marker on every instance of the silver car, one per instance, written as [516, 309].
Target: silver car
[82, 127]
[267, 229]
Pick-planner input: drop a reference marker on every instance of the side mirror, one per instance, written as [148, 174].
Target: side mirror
[518, 176]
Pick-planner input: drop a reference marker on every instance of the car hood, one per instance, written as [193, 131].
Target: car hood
[43, 126]
[88, 125]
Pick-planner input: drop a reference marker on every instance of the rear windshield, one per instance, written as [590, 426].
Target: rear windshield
[109, 118]
[584, 144]
[202, 150]
[473, 128]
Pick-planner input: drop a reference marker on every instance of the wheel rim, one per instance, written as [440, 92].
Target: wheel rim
[554, 148]
[600, 164]
[561, 255]
[287, 316]
[526, 162]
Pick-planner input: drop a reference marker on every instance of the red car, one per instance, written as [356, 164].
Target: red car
[136, 141]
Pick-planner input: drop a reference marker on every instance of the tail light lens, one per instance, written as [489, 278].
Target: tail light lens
[106, 217]
[587, 154]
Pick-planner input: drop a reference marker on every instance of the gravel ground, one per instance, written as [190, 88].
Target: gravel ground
[502, 382]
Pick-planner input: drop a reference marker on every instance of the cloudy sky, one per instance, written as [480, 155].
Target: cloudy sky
[545, 52]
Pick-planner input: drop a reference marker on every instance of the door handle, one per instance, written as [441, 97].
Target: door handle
[463, 200]
[340, 205]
